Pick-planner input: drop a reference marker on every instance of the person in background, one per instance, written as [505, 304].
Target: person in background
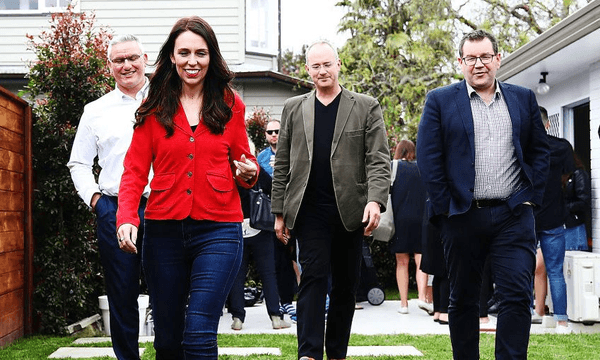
[434, 263]
[330, 184]
[285, 263]
[105, 132]
[550, 219]
[483, 156]
[260, 244]
[191, 131]
[408, 203]
[266, 158]
[578, 198]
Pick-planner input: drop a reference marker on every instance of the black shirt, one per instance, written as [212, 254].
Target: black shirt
[553, 211]
[319, 189]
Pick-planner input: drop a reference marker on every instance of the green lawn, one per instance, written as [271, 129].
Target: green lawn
[434, 347]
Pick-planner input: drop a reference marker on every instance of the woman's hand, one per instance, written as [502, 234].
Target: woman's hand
[127, 237]
[245, 169]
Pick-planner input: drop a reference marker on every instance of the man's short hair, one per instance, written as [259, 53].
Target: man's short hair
[121, 39]
[318, 42]
[270, 121]
[477, 35]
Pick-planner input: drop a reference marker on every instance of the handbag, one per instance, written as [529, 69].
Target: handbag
[385, 231]
[261, 217]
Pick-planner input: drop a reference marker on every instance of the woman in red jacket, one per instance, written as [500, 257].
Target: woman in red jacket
[191, 132]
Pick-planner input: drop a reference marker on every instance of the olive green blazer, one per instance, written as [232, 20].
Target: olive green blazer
[360, 157]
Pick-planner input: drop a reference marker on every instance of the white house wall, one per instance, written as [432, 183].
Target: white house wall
[594, 95]
[578, 88]
[151, 20]
[562, 94]
[267, 95]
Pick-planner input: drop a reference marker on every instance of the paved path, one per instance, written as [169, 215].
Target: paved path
[376, 320]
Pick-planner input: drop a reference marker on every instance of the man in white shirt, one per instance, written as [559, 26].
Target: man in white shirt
[105, 131]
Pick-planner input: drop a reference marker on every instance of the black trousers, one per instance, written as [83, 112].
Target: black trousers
[286, 276]
[326, 247]
[441, 293]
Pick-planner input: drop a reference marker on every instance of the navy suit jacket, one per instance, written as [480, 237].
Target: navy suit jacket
[446, 148]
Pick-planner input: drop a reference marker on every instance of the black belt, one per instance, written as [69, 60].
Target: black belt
[481, 203]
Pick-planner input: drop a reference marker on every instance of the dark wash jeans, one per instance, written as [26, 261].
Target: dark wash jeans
[190, 266]
[261, 247]
[326, 248]
[508, 238]
[122, 278]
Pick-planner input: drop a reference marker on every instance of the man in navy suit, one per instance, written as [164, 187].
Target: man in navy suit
[483, 156]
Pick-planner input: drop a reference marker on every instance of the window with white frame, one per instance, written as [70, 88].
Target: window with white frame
[262, 26]
[24, 6]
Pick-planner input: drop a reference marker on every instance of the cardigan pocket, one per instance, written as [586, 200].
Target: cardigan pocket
[222, 186]
[160, 196]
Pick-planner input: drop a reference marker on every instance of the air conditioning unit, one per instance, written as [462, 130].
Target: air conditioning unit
[582, 276]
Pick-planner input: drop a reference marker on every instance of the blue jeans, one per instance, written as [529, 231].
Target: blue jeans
[122, 279]
[576, 238]
[508, 238]
[190, 266]
[552, 243]
[261, 247]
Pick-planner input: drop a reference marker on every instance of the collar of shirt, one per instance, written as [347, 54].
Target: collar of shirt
[497, 92]
[141, 94]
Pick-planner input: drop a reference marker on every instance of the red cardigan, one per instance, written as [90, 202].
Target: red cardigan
[193, 171]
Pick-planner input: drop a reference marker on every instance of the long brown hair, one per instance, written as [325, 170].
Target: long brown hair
[405, 150]
[165, 84]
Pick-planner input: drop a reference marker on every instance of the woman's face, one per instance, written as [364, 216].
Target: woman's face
[191, 58]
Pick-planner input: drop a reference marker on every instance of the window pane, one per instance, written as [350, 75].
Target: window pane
[18, 4]
[262, 26]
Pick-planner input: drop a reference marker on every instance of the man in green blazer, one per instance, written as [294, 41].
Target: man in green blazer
[330, 185]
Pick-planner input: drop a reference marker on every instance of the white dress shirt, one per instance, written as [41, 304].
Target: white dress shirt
[105, 130]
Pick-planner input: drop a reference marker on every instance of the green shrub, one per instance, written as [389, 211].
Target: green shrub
[69, 72]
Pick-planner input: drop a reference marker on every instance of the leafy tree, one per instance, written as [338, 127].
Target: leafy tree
[293, 64]
[396, 53]
[400, 49]
[513, 22]
[69, 72]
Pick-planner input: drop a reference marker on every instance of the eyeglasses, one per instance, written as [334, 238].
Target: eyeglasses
[270, 132]
[325, 66]
[472, 60]
[121, 60]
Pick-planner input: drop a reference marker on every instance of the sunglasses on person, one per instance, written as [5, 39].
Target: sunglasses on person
[270, 132]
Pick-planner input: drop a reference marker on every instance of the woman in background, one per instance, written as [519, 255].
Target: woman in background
[408, 204]
[578, 198]
[191, 131]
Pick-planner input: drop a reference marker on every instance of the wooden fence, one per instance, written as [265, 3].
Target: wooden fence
[16, 243]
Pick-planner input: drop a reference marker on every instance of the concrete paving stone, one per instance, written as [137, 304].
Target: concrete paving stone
[383, 351]
[84, 352]
[95, 340]
[249, 351]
